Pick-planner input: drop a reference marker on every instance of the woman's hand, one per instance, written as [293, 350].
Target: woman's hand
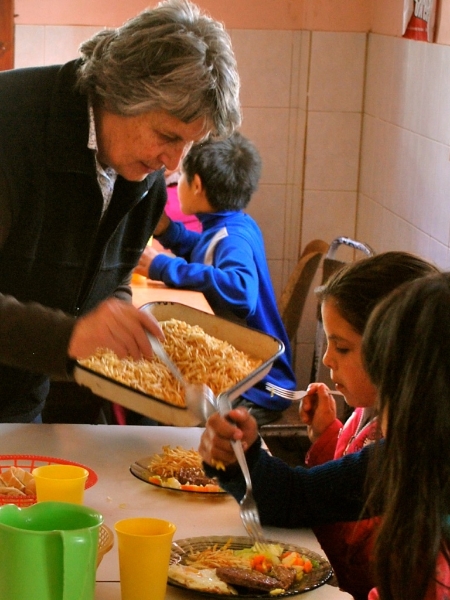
[116, 325]
[317, 410]
[215, 444]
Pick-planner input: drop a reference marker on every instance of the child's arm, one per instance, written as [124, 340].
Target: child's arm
[162, 225]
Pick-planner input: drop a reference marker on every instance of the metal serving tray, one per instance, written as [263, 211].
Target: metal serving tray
[250, 341]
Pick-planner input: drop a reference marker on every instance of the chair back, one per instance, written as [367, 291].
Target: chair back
[293, 298]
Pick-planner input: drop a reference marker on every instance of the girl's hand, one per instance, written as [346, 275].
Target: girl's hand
[317, 410]
[215, 444]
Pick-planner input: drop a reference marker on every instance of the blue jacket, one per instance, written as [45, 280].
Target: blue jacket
[227, 262]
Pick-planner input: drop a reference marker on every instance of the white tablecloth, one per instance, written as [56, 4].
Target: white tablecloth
[109, 450]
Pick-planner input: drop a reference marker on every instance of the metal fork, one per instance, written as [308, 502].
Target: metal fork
[293, 394]
[200, 398]
[248, 508]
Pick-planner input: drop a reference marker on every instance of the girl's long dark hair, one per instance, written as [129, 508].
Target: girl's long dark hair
[406, 347]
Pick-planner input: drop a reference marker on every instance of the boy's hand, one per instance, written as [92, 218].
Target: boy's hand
[215, 444]
[143, 267]
[317, 410]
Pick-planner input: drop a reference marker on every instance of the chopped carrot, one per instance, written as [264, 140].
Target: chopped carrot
[261, 563]
[307, 567]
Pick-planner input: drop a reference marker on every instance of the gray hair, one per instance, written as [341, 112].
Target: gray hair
[171, 58]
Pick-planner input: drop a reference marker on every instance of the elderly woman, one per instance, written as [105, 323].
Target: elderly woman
[82, 151]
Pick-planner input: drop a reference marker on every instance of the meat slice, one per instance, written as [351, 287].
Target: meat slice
[195, 476]
[284, 575]
[247, 578]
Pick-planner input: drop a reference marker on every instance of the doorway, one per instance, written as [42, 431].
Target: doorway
[6, 34]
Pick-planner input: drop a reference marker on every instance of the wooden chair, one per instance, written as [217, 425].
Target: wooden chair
[293, 297]
[291, 305]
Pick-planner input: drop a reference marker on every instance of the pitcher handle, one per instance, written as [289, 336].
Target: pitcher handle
[74, 543]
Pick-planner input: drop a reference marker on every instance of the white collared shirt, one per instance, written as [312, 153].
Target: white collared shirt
[106, 177]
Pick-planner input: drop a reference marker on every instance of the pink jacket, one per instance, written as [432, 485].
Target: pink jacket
[348, 545]
[174, 212]
[338, 440]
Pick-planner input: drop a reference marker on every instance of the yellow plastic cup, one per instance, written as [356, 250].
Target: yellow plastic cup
[144, 552]
[60, 483]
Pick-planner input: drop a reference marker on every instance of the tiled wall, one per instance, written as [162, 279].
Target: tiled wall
[404, 191]
[273, 66]
[354, 132]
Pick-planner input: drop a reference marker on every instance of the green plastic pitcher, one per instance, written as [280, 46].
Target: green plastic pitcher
[48, 551]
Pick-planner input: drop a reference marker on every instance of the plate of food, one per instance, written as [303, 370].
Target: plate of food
[221, 566]
[228, 357]
[176, 469]
[16, 482]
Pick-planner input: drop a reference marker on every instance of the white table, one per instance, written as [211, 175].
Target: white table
[109, 450]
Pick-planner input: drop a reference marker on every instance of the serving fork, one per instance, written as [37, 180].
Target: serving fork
[293, 394]
[248, 508]
[199, 398]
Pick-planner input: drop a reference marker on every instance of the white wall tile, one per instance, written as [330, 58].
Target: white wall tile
[337, 71]
[264, 61]
[327, 215]
[268, 207]
[405, 167]
[268, 128]
[369, 223]
[62, 42]
[29, 48]
[332, 151]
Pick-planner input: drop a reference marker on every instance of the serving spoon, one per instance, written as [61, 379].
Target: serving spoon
[199, 398]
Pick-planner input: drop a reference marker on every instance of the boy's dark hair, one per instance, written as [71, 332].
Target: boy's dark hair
[229, 169]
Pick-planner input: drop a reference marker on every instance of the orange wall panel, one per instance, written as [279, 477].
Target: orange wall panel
[345, 15]
[326, 15]
[239, 14]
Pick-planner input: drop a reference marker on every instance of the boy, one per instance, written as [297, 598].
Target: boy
[227, 261]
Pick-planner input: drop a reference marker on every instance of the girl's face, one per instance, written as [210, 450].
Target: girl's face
[343, 358]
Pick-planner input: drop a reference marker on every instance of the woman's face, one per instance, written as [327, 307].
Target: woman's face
[135, 146]
[343, 358]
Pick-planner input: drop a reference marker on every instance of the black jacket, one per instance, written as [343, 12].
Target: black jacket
[57, 252]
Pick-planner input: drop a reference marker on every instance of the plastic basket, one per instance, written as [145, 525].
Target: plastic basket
[28, 462]
[105, 542]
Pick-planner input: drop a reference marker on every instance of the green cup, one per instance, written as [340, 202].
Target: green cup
[49, 551]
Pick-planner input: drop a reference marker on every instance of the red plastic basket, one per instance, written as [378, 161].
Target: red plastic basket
[28, 462]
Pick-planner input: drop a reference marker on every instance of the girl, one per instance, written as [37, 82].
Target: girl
[347, 300]
[407, 355]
